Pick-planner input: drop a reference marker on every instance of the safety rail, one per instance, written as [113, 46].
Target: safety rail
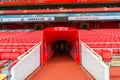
[97, 55]
[112, 50]
[15, 47]
[93, 64]
[29, 58]
[28, 51]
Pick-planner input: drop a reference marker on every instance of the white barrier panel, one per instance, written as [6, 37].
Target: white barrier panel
[94, 65]
[26, 65]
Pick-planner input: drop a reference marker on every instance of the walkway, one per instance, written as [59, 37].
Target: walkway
[115, 73]
[60, 67]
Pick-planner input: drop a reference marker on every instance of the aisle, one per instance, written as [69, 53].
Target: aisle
[115, 73]
[60, 67]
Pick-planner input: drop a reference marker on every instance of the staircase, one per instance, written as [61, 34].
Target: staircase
[115, 60]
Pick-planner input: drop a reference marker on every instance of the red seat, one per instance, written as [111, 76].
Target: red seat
[20, 47]
[107, 46]
[100, 45]
[28, 47]
[99, 51]
[7, 50]
[106, 56]
[22, 51]
[14, 46]
[16, 50]
[0, 55]
[5, 56]
[1, 50]
[8, 47]
[115, 51]
[2, 47]
[94, 46]
[106, 50]
[14, 56]
[114, 46]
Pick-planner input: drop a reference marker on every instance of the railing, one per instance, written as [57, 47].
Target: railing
[94, 64]
[21, 2]
[26, 64]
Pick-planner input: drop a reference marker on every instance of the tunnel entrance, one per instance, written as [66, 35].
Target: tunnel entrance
[61, 47]
[60, 40]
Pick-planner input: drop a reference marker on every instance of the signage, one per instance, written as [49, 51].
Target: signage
[60, 17]
[27, 19]
[61, 28]
[94, 18]
[40, 19]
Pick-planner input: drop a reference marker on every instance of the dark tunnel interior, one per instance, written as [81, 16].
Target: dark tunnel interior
[61, 47]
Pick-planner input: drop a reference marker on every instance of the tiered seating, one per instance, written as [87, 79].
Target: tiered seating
[115, 32]
[13, 44]
[102, 39]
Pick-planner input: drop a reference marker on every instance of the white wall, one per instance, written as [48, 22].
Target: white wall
[94, 65]
[26, 65]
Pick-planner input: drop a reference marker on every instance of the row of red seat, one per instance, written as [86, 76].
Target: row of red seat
[112, 50]
[114, 32]
[13, 50]
[27, 38]
[102, 39]
[12, 46]
[9, 56]
[91, 36]
[104, 45]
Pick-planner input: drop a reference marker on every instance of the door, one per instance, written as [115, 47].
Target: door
[84, 25]
[38, 26]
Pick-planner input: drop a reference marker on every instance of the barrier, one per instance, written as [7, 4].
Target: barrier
[26, 64]
[93, 64]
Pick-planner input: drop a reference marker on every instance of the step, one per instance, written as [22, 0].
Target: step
[115, 60]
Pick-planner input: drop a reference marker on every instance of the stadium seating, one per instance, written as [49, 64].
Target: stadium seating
[102, 39]
[13, 44]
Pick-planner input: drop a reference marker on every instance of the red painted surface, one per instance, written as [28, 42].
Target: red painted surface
[17, 26]
[64, 24]
[115, 73]
[106, 56]
[61, 33]
[25, 2]
[60, 67]
[61, 10]
[108, 24]
[77, 25]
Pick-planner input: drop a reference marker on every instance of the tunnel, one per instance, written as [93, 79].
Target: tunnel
[60, 47]
[60, 41]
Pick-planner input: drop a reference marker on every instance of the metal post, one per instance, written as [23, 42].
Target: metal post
[9, 71]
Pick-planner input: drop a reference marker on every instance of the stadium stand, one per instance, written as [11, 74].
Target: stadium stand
[13, 45]
[106, 42]
[101, 38]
